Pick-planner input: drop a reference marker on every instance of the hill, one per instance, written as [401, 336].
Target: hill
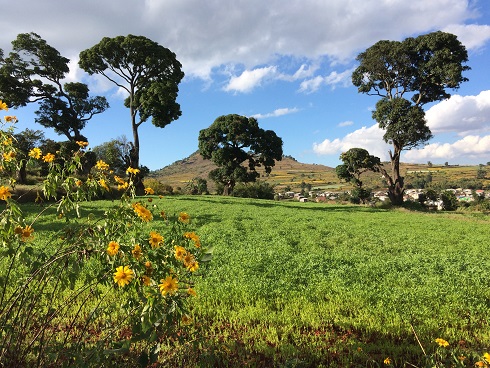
[289, 174]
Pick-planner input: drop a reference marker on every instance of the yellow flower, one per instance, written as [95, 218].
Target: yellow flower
[133, 171]
[186, 319]
[48, 157]
[387, 361]
[190, 262]
[8, 156]
[35, 153]
[194, 237]
[146, 280]
[442, 342]
[148, 264]
[101, 165]
[184, 217]
[137, 251]
[155, 239]
[123, 275]
[26, 233]
[180, 253]
[142, 212]
[119, 180]
[112, 248]
[149, 191]
[168, 285]
[78, 183]
[8, 141]
[82, 144]
[11, 119]
[4, 193]
[122, 186]
[191, 292]
[480, 364]
[103, 184]
[486, 356]
[3, 106]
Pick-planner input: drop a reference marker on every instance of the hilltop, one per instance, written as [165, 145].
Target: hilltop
[290, 174]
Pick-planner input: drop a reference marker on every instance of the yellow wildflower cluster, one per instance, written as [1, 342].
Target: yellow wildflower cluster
[155, 239]
[113, 248]
[82, 144]
[387, 361]
[121, 184]
[133, 171]
[169, 285]
[149, 191]
[48, 157]
[142, 212]
[187, 258]
[3, 106]
[485, 362]
[123, 275]
[103, 184]
[184, 217]
[35, 153]
[9, 156]
[194, 237]
[5, 193]
[101, 165]
[25, 233]
[442, 342]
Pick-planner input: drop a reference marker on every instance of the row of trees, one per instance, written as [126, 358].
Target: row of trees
[34, 72]
[406, 75]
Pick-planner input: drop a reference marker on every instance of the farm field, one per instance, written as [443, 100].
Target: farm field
[309, 285]
[339, 284]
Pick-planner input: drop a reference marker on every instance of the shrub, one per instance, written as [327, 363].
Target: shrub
[258, 189]
[449, 200]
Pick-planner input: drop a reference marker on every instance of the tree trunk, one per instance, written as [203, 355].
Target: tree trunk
[22, 173]
[396, 189]
[134, 155]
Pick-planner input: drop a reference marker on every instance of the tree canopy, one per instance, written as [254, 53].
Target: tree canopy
[237, 145]
[34, 72]
[407, 75]
[356, 161]
[148, 72]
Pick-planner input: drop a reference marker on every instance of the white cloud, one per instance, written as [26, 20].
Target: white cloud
[473, 36]
[276, 113]
[471, 148]
[207, 35]
[333, 79]
[250, 79]
[345, 123]
[370, 138]
[461, 114]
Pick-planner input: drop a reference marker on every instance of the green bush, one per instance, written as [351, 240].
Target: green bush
[258, 189]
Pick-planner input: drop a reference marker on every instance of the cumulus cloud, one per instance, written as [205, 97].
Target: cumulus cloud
[250, 79]
[333, 79]
[470, 148]
[276, 113]
[369, 138]
[473, 36]
[461, 114]
[207, 35]
[345, 123]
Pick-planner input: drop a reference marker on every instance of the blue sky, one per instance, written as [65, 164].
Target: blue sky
[286, 62]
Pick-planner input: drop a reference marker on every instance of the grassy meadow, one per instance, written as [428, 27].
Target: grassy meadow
[310, 285]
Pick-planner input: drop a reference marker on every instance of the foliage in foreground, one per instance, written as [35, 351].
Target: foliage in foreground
[94, 286]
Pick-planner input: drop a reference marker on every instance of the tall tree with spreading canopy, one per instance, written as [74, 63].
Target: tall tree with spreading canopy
[148, 72]
[237, 145]
[357, 161]
[34, 72]
[407, 75]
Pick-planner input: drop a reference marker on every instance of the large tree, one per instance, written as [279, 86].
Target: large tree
[357, 161]
[407, 75]
[238, 146]
[34, 72]
[148, 72]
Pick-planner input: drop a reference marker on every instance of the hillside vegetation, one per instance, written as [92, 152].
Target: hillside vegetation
[291, 173]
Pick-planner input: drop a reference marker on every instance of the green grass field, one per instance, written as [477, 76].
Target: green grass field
[310, 285]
